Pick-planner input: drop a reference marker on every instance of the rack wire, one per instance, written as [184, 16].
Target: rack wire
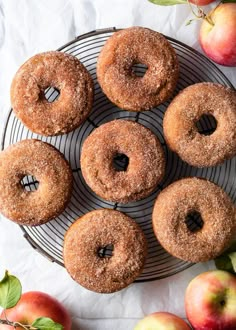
[48, 238]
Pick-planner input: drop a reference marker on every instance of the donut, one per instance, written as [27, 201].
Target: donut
[63, 72]
[49, 167]
[180, 130]
[137, 45]
[182, 199]
[146, 165]
[95, 231]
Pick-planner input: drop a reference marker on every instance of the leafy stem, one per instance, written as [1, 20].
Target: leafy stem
[44, 323]
[10, 294]
[197, 11]
[200, 13]
[17, 324]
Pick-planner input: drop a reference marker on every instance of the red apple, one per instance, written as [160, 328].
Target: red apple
[201, 2]
[218, 34]
[162, 321]
[33, 305]
[210, 301]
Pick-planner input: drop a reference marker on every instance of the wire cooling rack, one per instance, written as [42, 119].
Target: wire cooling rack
[48, 238]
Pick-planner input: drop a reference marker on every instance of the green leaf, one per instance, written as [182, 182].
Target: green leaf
[168, 2]
[224, 263]
[232, 257]
[227, 261]
[45, 323]
[10, 291]
[228, 1]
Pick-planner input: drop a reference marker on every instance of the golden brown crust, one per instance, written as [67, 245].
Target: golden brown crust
[59, 70]
[96, 230]
[146, 161]
[114, 69]
[185, 110]
[49, 167]
[217, 212]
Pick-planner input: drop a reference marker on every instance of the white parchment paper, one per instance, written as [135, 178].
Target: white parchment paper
[31, 26]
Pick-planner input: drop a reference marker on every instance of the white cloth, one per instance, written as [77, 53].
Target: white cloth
[31, 26]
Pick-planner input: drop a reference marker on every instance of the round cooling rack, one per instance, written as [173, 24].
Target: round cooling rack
[48, 238]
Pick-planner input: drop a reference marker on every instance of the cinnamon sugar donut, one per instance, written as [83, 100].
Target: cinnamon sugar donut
[186, 109]
[63, 72]
[95, 231]
[181, 199]
[117, 79]
[49, 167]
[146, 161]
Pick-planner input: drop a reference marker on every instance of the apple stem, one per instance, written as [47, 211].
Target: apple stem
[17, 324]
[209, 20]
[200, 13]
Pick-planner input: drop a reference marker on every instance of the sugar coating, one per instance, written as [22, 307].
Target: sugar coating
[114, 69]
[49, 167]
[62, 71]
[96, 230]
[185, 110]
[146, 161]
[217, 212]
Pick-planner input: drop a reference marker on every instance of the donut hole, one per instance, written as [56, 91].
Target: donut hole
[105, 251]
[194, 221]
[120, 162]
[29, 183]
[51, 94]
[139, 69]
[206, 125]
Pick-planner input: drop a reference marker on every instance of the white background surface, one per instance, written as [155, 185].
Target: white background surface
[31, 26]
